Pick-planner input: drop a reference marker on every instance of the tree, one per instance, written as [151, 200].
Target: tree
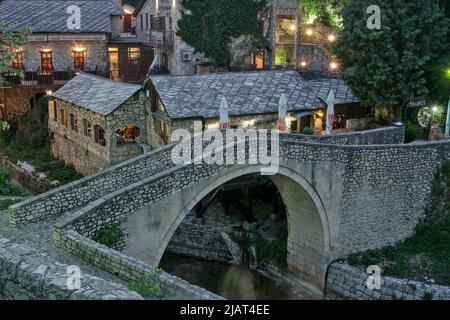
[209, 25]
[10, 42]
[326, 12]
[390, 66]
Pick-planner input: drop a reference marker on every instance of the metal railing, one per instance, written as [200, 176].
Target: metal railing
[39, 78]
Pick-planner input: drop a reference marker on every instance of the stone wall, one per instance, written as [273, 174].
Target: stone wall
[95, 54]
[199, 241]
[24, 275]
[80, 150]
[20, 100]
[127, 268]
[382, 136]
[346, 282]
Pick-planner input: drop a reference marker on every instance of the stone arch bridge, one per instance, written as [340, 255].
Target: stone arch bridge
[345, 193]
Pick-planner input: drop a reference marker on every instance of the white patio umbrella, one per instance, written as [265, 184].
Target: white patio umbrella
[223, 111]
[282, 110]
[330, 112]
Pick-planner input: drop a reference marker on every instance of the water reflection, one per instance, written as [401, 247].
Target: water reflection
[228, 281]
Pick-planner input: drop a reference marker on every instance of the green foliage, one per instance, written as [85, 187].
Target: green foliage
[10, 41]
[308, 131]
[413, 132]
[425, 254]
[388, 67]
[110, 235]
[6, 187]
[209, 25]
[274, 251]
[326, 12]
[148, 284]
[28, 139]
[4, 204]
[427, 296]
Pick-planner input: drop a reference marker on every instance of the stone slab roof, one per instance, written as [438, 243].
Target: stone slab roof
[246, 92]
[96, 94]
[51, 16]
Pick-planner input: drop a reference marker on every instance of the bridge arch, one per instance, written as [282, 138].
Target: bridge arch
[308, 226]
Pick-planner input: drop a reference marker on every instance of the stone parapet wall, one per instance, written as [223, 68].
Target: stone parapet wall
[24, 275]
[83, 191]
[388, 135]
[347, 282]
[125, 267]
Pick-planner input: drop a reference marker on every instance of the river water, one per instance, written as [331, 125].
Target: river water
[228, 281]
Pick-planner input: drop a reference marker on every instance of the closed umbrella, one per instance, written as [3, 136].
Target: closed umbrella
[282, 110]
[330, 112]
[223, 111]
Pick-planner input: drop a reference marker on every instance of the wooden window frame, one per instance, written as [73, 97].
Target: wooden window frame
[79, 59]
[18, 60]
[47, 61]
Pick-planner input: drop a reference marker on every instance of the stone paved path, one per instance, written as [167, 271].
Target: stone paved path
[39, 237]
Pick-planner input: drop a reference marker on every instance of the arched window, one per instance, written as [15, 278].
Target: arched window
[127, 134]
[87, 127]
[99, 135]
[73, 122]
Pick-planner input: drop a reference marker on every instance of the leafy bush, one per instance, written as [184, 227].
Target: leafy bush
[110, 235]
[274, 251]
[148, 284]
[6, 187]
[413, 132]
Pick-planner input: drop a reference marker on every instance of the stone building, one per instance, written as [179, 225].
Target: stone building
[288, 43]
[98, 122]
[176, 101]
[104, 44]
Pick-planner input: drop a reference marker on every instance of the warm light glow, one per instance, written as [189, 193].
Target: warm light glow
[48, 92]
[303, 63]
[333, 66]
[435, 109]
[214, 125]
[46, 50]
[331, 38]
[309, 32]
[292, 27]
[248, 123]
[127, 11]
[79, 49]
[319, 114]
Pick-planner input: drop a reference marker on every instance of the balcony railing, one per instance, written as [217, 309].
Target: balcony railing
[38, 78]
[160, 39]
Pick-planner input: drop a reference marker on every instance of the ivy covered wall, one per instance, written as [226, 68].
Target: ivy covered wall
[209, 25]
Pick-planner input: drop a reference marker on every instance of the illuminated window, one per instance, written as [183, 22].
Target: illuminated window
[47, 61]
[18, 60]
[78, 60]
[134, 55]
[127, 134]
